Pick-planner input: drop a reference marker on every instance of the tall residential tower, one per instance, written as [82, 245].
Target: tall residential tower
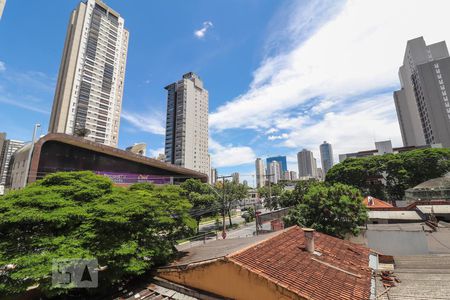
[307, 166]
[2, 7]
[422, 103]
[187, 124]
[260, 179]
[88, 96]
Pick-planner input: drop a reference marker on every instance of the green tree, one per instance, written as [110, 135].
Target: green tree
[231, 193]
[296, 196]
[391, 174]
[332, 209]
[271, 195]
[202, 197]
[81, 215]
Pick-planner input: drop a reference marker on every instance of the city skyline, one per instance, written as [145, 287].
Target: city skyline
[290, 122]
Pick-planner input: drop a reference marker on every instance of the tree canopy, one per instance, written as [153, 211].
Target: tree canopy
[332, 209]
[398, 171]
[203, 198]
[230, 193]
[81, 215]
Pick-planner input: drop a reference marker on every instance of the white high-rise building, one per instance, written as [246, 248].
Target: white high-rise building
[307, 166]
[88, 96]
[275, 171]
[2, 7]
[422, 103]
[7, 149]
[293, 175]
[187, 124]
[260, 179]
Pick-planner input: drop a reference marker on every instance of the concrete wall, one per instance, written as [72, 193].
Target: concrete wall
[227, 279]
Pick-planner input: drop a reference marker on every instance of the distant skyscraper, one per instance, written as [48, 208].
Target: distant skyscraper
[280, 159]
[2, 7]
[260, 179]
[307, 166]
[7, 149]
[293, 175]
[138, 148]
[275, 171]
[326, 155]
[422, 103]
[213, 176]
[320, 174]
[91, 77]
[187, 124]
[235, 178]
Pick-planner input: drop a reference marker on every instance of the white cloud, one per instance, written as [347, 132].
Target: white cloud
[151, 122]
[271, 130]
[278, 137]
[2, 66]
[202, 31]
[357, 51]
[353, 53]
[226, 156]
[353, 128]
[154, 153]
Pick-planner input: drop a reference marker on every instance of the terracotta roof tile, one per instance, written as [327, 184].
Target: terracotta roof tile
[375, 203]
[340, 272]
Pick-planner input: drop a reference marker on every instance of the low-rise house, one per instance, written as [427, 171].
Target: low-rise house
[293, 263]
[374, 203]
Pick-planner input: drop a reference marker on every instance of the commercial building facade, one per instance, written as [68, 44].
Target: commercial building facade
[186, 141]
[307, 166]
[422, 103]
[326, 156]
[7, 149]
[60, 152]
[260, 179]
[89, 90]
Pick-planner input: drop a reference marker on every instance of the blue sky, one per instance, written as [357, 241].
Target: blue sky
[281, 75]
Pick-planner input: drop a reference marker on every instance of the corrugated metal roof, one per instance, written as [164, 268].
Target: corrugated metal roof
[437, 209]
[421, 277]
[394, 215]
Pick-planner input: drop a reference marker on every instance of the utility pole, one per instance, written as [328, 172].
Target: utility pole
[224, 233]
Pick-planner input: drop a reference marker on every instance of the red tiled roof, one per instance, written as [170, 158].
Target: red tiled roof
[340, 272]
[376, 203]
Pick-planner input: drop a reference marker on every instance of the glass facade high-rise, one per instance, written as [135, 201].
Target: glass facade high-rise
[326, 156]
[187, 124]
[88, 96]
[280, 159]
[422, 103]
